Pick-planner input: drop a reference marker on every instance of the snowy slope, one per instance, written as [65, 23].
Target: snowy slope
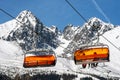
[12, 58]
[113, 37]
[87, 33]
[7, 27]
[64, 44]
[27, 30]
[111, 68]
[11, 55]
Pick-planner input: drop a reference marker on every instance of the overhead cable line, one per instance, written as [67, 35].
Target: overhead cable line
[20, 22]
[16, 20]
[7, 13]
[111, 42]
[10, 15]
[87, 22]
[71, 6]
[76, 11]
[81, 16]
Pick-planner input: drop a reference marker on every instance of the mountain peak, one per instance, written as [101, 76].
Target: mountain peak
[54, 29]
[86, 34]
[25, 13]
[94, 19]
[32, 32]
[27, 17]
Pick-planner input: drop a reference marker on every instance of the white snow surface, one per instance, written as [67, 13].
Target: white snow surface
[114, 37]
[7, 27]
[26, 15]
[64, 44]
[11, 55]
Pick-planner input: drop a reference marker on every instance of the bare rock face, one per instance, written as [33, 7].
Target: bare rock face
[30, 31]
[85, 34]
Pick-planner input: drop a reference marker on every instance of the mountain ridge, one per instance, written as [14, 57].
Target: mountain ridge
[28, 29]
[64, 44]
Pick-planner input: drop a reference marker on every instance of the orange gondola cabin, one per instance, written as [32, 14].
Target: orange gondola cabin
[91, 54]
[37, 57]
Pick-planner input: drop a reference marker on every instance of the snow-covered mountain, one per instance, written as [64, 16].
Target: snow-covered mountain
[27, 32]
[69, 32]
[85, 34]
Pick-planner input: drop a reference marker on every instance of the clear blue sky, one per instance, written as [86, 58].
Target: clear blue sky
[59, 13]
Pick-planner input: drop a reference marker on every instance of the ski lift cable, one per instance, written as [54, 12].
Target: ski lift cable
[10, 15]
[14, 18]
[87, 22]
[73, 9]
[17, 21]
[110, 42]
[81, 16]
[76, 11]
[101, 11]
[20, 22]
